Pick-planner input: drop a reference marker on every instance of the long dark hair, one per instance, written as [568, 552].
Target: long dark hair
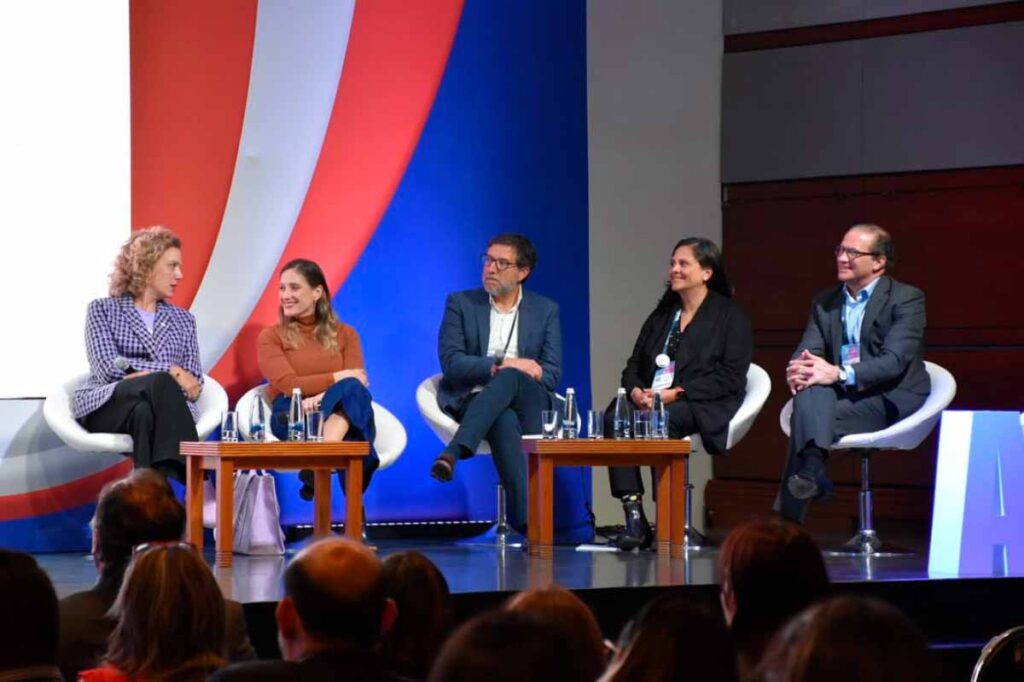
[709, 256]
[326, 319]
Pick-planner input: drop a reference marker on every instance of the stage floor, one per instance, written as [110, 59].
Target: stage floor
[481, 568]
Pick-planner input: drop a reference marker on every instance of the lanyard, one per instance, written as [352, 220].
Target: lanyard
[672, 330]
[510, 333]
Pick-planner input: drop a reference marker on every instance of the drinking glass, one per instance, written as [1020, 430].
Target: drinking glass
[642, 424]
[595, 424]
[229, 426]
[315, 426]
[257, 420]
[550, 420]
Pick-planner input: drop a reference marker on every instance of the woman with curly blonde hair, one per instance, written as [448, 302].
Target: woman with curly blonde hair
[143, 355]
[311, 350]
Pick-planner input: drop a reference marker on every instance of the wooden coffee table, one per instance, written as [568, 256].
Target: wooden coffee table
[668, 457]
[226, 458]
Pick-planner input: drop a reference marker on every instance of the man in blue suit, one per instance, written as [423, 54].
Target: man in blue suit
[500, 349]
[859, 366]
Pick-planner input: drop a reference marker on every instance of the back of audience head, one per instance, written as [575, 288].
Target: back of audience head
[578, 629]
[769, 571]
[28, 622]
[137, 509]
[170, 616]
[333, 599]
[847, 639]
[505, 646]
[672, 638]
[425, 613]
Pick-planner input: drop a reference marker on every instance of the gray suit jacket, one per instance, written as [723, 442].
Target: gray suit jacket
[465, 330]
[892, 340]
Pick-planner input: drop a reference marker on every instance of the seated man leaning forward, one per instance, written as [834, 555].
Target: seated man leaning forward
[859, 366]
[500, 349]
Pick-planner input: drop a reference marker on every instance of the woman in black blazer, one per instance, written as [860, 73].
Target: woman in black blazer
[698, 327]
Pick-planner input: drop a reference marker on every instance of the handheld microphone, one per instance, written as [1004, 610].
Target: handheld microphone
[124, 365]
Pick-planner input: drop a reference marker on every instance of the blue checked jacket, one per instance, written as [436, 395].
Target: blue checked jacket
[114, 328]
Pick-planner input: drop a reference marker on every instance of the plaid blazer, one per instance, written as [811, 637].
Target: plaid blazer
[114, 328]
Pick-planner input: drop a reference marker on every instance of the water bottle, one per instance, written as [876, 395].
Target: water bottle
[570, 414]
[659, 427]
[296, 417]
[621, 420]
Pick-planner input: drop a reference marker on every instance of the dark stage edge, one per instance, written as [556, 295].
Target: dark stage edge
[957, 614]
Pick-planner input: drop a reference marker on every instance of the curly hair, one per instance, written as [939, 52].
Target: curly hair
[137, 258]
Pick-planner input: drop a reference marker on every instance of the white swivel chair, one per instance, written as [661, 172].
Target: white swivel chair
[390, 441]
[57, 412]
[759, 385]
[905, 434]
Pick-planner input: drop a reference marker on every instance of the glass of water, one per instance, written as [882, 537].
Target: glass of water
[315, 426]
[595, 424]
[229, 426]
[257, 420]
[642, 424]
[550, 420]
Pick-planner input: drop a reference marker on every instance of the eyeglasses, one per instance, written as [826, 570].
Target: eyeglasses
[853, 254]
[500, 264]
[140, 549]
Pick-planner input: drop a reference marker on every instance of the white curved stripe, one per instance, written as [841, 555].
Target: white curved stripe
[298, 53]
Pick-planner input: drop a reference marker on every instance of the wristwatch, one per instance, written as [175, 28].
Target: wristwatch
[842, 375]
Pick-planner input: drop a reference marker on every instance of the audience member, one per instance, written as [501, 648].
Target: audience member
[769, 571]
[170, 619]
[425, 614]
[28, 620]
[674, 639]
[578, 629]
[505, 646]
[330, 620]
[138, 509]
[848, 639]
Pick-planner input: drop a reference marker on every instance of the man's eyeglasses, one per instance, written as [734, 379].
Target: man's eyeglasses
[140, 549]
[500, 264]
[853, 254]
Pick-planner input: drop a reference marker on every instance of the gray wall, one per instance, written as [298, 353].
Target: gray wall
[654, 93]
[923, 101]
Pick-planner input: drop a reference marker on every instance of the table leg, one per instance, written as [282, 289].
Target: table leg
[354, 500]
[664, 527]
[547, 502]
[321, 502]
[678, 491]
[225, 511]
[194, 501]
[533, 500]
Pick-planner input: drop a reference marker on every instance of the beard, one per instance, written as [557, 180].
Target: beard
[497, 289]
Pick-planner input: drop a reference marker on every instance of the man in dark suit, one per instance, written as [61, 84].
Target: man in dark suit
[859, 366]
[332, 615]
[500, 349]
[134, 510]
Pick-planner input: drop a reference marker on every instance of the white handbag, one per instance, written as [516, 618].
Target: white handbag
[257, 515]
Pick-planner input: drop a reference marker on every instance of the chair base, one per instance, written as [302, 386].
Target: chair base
[866, 543]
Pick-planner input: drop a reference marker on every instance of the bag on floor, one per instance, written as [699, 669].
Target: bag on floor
[257, 515]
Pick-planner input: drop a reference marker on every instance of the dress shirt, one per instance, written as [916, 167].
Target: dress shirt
[853, 316]
[501, 329]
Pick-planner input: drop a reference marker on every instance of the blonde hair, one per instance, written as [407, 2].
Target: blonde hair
[326, 329]
[137, 258]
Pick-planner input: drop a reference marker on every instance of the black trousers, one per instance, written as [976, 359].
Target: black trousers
[821, 416]
[626, 480]
[507, 407]
[153, 410]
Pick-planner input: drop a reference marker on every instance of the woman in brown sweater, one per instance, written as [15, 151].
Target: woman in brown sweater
[310, 349]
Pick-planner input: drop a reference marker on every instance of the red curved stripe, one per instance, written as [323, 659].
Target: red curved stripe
[61, 497]
[190, 62]
[396, 56]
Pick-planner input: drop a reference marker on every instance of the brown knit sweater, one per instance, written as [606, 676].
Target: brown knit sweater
[309, 367]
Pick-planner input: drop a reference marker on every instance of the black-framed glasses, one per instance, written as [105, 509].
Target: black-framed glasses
[853, 254]
[500, 264]
[142, 548]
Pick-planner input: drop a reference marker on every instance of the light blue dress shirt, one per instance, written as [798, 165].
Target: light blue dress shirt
[853, 318]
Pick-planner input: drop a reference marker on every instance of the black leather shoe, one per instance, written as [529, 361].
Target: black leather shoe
[637, 533]
[443, 468]
[810, 483]
[306, 491]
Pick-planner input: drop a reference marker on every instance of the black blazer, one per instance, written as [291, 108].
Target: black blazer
[891, 341]
[711, 363]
